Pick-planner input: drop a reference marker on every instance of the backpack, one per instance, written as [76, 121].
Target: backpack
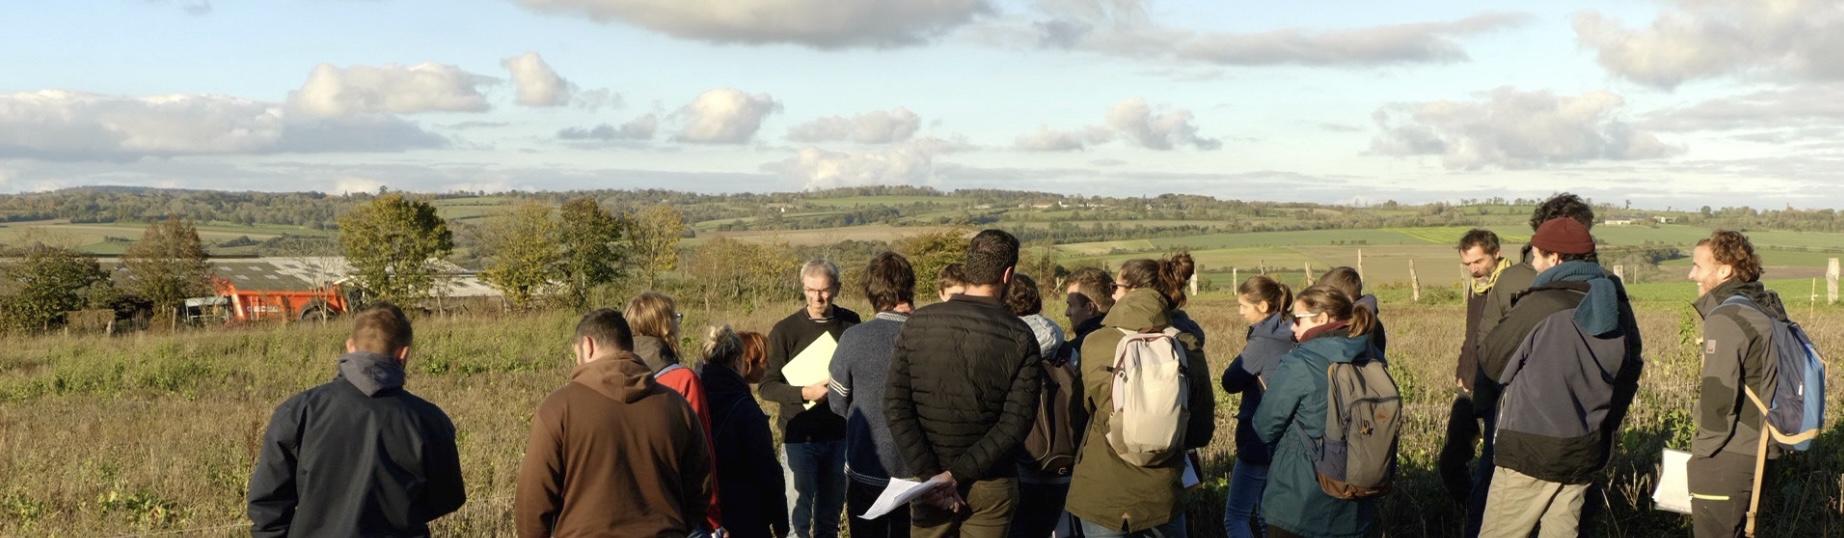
[1357, 457]
[1150, 396]
[1796, 409]
[1057, 435]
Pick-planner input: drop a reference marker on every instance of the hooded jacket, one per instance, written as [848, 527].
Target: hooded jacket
[613, 453]
[1297, 396]
[1104, 489]
[1562, 374]
[1737, 351]
[1268, 341]
[746, 463]
[357, 456]
[659, 357]
[963, 389]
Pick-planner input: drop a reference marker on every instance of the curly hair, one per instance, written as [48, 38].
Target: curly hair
[1022, 298]
[1731, 248]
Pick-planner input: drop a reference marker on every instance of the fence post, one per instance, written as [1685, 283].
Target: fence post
[1360, 263]
[1194, 284]
[1309, 273]
[1235, 275]
[1620, 272]
[1831, 282]
[1414, 283]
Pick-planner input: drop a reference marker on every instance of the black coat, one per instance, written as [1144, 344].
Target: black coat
[754, 496]
[963, 389]
[357, 456]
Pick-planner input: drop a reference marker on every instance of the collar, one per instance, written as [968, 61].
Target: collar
[1480, 287]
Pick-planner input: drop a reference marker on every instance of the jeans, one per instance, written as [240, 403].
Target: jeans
[859, 497]
[1040, 506]
[1482, 477]
[1246, 483]
[818, 470]
[1173, 529]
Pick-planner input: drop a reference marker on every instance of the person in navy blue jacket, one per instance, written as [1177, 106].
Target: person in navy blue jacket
[1264, 303]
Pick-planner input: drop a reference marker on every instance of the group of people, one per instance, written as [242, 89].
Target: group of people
[639, 444]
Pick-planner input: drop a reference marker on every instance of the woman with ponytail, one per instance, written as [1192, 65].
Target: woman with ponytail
[1263, 302]
[1169, 277]
[1330, 329]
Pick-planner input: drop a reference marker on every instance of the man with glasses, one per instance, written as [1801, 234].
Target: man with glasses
[813, 439]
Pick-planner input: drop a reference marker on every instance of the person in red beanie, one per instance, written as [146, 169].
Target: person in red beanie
[1557, 356]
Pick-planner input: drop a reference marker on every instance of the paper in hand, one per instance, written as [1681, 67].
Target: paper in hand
[899, 493]
[1673, 493]
[813, 364]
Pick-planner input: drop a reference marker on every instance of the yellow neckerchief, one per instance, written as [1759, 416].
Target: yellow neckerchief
[1484, 285]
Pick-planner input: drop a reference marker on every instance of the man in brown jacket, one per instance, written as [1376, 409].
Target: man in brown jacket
[612, 453]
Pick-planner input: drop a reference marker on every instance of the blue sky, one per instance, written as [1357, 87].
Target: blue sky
[1668, 103]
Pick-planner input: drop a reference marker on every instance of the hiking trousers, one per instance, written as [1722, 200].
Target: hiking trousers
[988, 513]
[1519, 503]
[1719, 491]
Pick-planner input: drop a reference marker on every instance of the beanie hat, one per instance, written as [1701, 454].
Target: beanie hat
[1563, 236]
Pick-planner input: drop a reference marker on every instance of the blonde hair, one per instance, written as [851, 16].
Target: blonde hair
[650, 314]
[724, 347]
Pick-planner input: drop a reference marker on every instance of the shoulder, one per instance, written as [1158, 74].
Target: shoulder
[846, 315]
[786, 325]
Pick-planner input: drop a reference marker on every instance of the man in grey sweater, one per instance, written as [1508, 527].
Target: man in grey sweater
[858, 371]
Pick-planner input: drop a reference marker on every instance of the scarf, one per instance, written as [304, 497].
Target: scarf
[1599, 312]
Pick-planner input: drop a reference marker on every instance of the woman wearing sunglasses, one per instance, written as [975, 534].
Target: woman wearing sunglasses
[1330, 328]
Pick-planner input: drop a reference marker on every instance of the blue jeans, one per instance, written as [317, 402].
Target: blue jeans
[1482, 478]
[1246, 483]
[819, 487]
[1173, 529]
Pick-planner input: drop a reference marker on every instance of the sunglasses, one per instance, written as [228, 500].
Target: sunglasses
[1298, 316]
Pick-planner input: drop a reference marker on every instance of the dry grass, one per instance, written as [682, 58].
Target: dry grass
[156, 434]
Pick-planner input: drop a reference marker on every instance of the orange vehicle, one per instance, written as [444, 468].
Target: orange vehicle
[247, 293]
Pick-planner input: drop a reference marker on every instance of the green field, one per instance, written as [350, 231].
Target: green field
[848, 203]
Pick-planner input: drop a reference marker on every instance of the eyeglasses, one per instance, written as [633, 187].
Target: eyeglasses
[678, 317]
[1298, 316]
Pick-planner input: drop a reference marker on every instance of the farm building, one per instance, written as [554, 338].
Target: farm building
[249, 289]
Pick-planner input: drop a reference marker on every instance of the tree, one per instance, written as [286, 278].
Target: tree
[43, 283]
[656, 232]
[930, 251]
[726, 271]
[522, 247]
[390, 243]
[594, 248]
[167, 265]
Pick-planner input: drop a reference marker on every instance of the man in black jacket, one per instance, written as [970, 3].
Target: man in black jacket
[359, 455]
[962, 396]
[1738, 357]
[813, 439]
[1479, 255]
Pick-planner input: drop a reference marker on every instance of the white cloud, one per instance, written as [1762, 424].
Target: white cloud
[351, 184]
[875, 127]
[1124, 28]
[1135, 119]
[1699, 39]
[66, 125]
[1514, 130]
[538, 85]
[815, 23]
[1802, 107]
[428, 87]
[907, 163]
[1132, 120]
[724, 116]
[641, 128]
[1047, 139]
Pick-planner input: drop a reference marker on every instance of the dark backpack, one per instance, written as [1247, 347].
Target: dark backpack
[1795, 410]
[1056, 436]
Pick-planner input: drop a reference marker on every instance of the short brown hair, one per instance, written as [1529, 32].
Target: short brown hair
[381, 328]
[1733, 249]
[755, 356]
[953, 274]
[1486, 240]
[1344, 279]
[1022, 298]
[1096, 285]
[889, 281]
[606, 327]
[989, 254]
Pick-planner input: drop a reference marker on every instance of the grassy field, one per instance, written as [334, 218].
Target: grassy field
[157, 433]
[96, 238]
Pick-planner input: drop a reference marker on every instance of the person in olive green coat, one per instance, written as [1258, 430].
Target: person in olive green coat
[1109, 495]
[1330, 329]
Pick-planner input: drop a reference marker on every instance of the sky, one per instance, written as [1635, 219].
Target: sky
[1660, 104]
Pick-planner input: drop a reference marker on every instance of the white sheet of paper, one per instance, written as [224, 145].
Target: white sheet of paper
[898, 494]
[813, 364]
[1191, 475]
[1673, 492]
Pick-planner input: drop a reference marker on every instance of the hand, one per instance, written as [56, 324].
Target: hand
[814, 392]
[1460, 383]
[947, 495]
